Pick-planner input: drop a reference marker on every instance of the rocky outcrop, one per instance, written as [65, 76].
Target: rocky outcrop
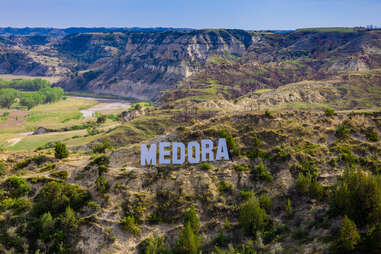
[41, 130]
[141, 65]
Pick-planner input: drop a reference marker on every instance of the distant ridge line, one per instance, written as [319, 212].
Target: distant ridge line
[62, 32]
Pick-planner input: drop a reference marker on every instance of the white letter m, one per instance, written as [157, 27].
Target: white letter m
[147, 156]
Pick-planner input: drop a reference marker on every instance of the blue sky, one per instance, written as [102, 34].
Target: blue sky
[244, 14]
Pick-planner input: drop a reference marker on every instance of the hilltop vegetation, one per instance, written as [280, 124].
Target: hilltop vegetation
[38, 91]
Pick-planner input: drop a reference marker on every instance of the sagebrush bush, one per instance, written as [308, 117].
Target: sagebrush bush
[129, 224]
[329, 112]
[372, 242]
[265, 202]
[308, 185]
[17, 186]
[103, 185]
[241, 168]
[342, 131]
[261, 172]
[102, 160]
[101, 118]
[101, 147]
[61, 151]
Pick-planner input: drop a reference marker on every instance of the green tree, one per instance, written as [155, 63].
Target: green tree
[189, 239]
[29, 84]
[52, 94]
[8, 96]
[348, 237]
[256, 152]
[55, 197]
[30, 99]
[61, 151]
[252, 217]
[358, 195]
[69, 220]
[192, 218]
[155, 245]
[262, 173]
[47, 223]
[188, 242]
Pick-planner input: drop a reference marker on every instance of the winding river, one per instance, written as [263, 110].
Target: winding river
[104, 106]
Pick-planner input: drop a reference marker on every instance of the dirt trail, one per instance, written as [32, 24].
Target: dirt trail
[14, 141]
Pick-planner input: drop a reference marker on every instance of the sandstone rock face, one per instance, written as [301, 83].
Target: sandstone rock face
[141, 65]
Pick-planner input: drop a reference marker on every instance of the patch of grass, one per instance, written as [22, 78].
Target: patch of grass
[241, 168]
[262, 91]
[225, 187]
[129, 224]
[329, 112]
[205, 166]
[60, 174]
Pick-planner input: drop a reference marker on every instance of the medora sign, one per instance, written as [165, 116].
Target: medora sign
[196, 152]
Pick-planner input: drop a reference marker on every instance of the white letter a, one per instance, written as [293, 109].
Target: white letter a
[222, 150]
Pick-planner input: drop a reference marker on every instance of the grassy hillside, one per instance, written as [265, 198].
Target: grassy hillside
[301, 114]
[286, 163]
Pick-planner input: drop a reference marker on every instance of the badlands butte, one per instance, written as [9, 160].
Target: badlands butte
[300, 112]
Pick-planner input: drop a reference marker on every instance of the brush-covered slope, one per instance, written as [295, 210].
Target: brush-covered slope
[276, 194]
